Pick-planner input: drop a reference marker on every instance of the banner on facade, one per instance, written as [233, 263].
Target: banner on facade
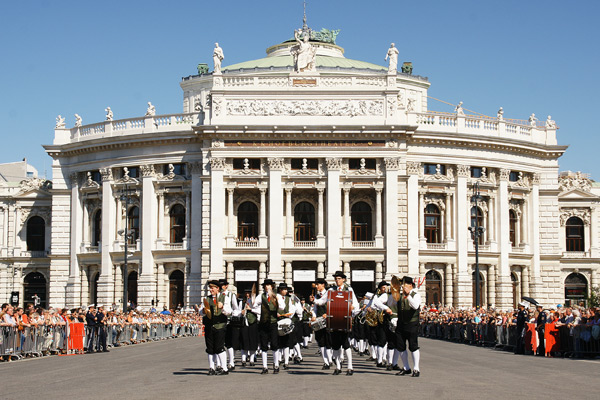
[304, 275]
[246, 275]
[363, 275]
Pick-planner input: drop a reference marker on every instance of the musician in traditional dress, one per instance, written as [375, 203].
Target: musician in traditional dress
[215, 311]
[389, 305]
[285, 310]
[306, 317]
[232, 335]
[322, 336]
[359, 327]
[339, 339]
[296, 339]
[377, 332]
[249, 331]
[267, 328]
[407, 329]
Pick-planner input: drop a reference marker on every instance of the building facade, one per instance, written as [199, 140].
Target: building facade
[295, 166]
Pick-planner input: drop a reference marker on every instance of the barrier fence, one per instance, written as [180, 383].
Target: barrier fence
[73, 338]
[564, 341]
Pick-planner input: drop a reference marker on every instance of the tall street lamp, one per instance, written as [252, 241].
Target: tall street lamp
[476, 232]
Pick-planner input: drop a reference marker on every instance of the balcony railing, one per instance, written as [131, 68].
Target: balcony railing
[363, 244]
[437, 246]
[34, 254]
[576, 254]
[173, 246]
[305, 243]
[246, 243]
[518, 250]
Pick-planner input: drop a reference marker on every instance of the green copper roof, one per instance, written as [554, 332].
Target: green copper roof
[287, 61]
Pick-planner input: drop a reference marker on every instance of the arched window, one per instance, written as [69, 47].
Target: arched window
[432, 224]
[512, 227]
[97, 230]
[36, 234]
[247, 220]
[35, 285]
[304, 221]
[134, 224]
[360, 215]
[433, 287]
[176, 286]
[177, 215]
[477, 220]
[574, 234]
[576, 288]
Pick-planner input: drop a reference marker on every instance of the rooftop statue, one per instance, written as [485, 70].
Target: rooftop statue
[550, 123]
[109, 114]
[325, 35]
[78, 121]
[407, 68]
[392, 54]
[459, 110]
[218, 56]
[532, 119]
[60, 122]
[304, 53]
[151, 110]
[500, 114]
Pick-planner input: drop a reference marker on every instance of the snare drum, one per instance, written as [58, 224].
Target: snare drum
[285, 326]
[318, 324]
[339, 310]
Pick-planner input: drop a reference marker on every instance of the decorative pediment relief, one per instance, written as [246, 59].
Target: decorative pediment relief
[35, 184]
[583, 213]
[568, 182]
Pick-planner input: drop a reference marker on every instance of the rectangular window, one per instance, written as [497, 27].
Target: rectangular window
[308, 163]
[476, 172]
[360, 163]
[134, 172]
[178, 169]
[432, 169]
[246, 163]
[96, 177]
[514, 176]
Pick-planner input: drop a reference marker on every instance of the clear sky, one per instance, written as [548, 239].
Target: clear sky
[67, 57]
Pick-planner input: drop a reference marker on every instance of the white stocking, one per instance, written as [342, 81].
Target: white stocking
[223, 360]
[244, 356]
[286, 355]
[324, 355]
[379, 354]
[404, 357]
[349, 358]
[416, 356]
[231, 355]
[211, 361]
[298, 352]
[395, 359]
[336, 357]
[276, 355]
[330, 355]
[264, 359]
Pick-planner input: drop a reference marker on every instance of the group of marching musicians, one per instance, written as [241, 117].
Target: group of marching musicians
[279, 322]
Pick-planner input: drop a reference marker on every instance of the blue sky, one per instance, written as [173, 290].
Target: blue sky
[67, 57]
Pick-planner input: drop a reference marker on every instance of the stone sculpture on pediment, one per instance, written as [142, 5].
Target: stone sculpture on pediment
[151, 110]
[500, 114]
[522, 181]
[109, 114]
[218, 57]
[89, 182]
[578, 181]
[392, 55]
[126, 178]
[107, 174]
[550, 123]
[78, 121]
[583, 213]
[27, 185]
[459, 109]
[438, 176]
[304, 53]
[60, 122]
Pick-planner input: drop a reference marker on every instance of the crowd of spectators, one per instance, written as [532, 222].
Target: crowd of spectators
[109, 321]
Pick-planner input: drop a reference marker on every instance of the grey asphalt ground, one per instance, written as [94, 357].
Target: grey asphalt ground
[176, 369]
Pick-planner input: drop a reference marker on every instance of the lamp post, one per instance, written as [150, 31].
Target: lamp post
[476, 232]
[126, 199]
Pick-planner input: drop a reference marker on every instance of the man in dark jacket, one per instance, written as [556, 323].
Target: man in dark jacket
[101, 327]
[91, 319]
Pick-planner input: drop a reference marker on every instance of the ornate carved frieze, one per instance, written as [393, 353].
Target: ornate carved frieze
[217, 143]
[436, 200]
[341, 108]
[583, 213]
[574, 181]
[392, 163]
[414, 168]
[334, 163]
[148, 170]
[463, 171]
[217, 164]
[516, 207]
[536, 179]
[44, 212]
[217, 105]
[107, 174]
[275, 163]
[504, 174]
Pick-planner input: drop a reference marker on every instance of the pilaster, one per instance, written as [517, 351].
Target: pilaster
[275, 217]
[334, 232]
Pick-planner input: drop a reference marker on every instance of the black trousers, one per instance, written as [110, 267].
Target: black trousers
[339, 339]
[391, 337]
[267, 334]
[101, 338]
[249, 336]
[215, 339]
[306, 331]
[232, 337]
[323, 338]
[378, 337]
[407, 332]
[359, 331]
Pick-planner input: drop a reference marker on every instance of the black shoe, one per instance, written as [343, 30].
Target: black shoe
[90, 351]
[264, 371]
[416, 373]
[404, 372]
[219, 369]
[296, 360]
[379, 365]
[221, 372]
[211, 372]
[232, 367]
[106, 351]
[251, 364]
[326, 366]
[389, 367]
[337, 371]
[276, 370]
[244, 364]
[285, 366]
[300, 360]
[350, 372]
[396, 367]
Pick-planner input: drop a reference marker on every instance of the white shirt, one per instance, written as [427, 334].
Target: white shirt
[281, 303]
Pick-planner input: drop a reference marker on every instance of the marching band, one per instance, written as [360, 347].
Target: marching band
[380, 325]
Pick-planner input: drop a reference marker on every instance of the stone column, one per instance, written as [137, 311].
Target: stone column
[334, 228]
[161, 216]
[275, 217]
[492, 285]
[463, 236]
[105, 284]
[193, 281]
[392, 166]
[321, 219]
[230, 216]
[347, 219]
[525, 281]
[594, 231]
[263, 213]
[413, 169]
[262, 272]
[448, 218]
[320, 270]
[147, 279]
[378, 272]
[378, 213]
[422, 216]
[288, 213]
[188, 220]
[422, 269]
[288, 273]
[77, 220]
[535, 235]
[449, 296]
[85, 234]
[492, 219]
[524, 224]
[217, 214]
[230, 272]
[517, 231]
[346, 271]
[504, 284]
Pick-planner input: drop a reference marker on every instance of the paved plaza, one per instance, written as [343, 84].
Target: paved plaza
[177, 368]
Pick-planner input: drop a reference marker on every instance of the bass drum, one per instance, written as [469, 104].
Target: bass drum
[339, 311]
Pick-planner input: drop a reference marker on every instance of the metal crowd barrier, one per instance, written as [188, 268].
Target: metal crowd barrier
[54, 339]
[578, 341]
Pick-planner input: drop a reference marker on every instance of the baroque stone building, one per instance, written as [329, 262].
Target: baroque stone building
[292, 167]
